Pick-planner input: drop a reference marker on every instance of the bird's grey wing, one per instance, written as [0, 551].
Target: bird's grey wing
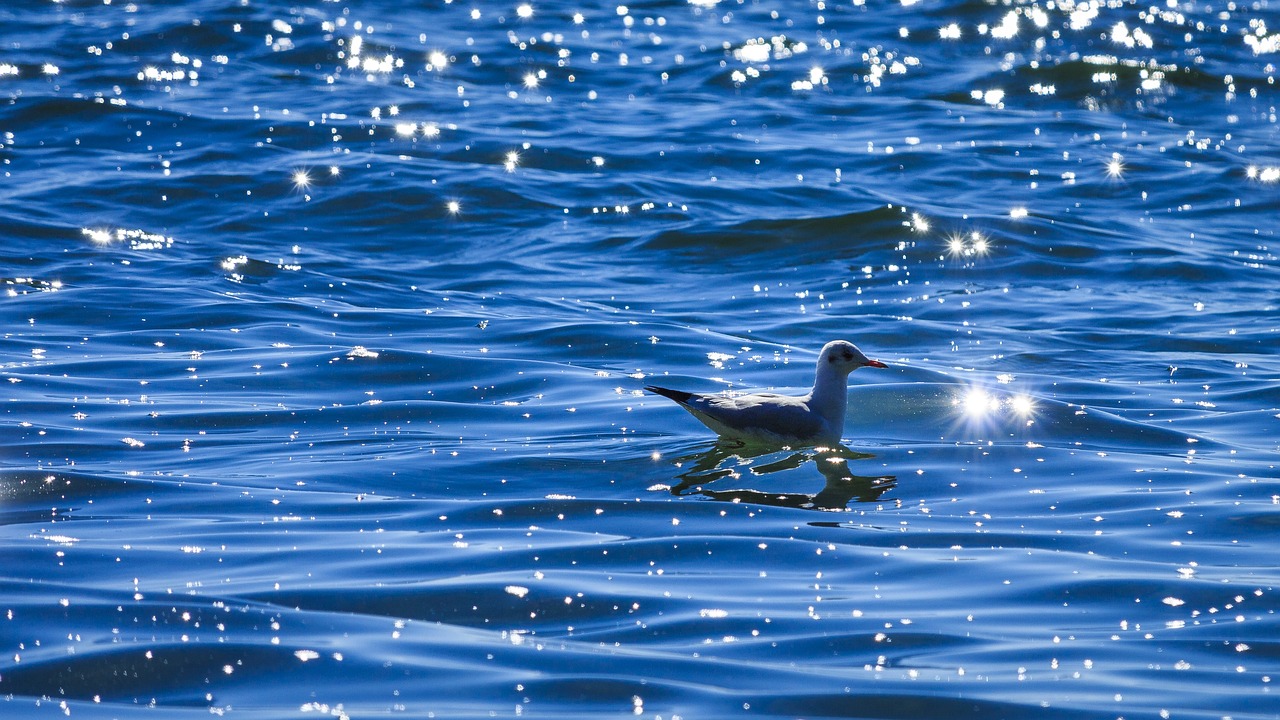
[776, 414]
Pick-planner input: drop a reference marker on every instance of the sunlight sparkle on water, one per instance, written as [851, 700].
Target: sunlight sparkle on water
[994, 98]
[1115, 166]
[975, 243]
[977, 403]
[301, 179]
[1008, 27]
[978, 406]
[524, 11]
[1266, 174]
[531, 80]
[511, 161]
[137, 239]
[453, 206]
[753, 51]
[99, 237]
[1022, 405]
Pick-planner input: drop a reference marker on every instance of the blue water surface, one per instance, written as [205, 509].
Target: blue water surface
[325, 328]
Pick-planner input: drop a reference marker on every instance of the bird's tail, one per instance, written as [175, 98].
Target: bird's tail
[679, 396]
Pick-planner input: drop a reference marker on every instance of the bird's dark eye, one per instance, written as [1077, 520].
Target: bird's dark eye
[848, 356]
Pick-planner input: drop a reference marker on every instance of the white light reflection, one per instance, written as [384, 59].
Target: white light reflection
[994, 98]
[754, 51]
[1260, 42]
[1264, 174]
[979, 407]
[1022, 405]
[975, 243]
[978, 404]
[137, 239]
[1008, 27]
[301, 180]
[1115, 166]
[99, 237]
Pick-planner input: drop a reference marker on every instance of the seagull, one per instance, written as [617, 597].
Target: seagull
[816, 418]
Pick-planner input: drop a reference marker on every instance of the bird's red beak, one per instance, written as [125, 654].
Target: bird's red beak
[876, 363]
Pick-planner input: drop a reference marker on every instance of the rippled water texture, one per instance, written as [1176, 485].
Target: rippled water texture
[325, 326]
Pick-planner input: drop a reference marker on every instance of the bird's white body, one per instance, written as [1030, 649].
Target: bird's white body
[811, 419]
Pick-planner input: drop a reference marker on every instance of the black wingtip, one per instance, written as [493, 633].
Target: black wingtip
[679, 396]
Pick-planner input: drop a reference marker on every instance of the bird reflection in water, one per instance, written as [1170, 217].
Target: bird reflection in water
[727, 460]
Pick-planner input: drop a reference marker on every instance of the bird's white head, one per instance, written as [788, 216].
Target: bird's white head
[844, 357]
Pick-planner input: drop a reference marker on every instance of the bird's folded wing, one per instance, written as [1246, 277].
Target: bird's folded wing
[777, 414]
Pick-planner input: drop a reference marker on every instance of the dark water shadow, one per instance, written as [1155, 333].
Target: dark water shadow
[733, 462]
